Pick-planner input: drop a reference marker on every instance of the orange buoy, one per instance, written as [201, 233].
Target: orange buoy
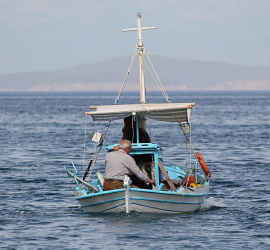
[204, 166]
[189, 178]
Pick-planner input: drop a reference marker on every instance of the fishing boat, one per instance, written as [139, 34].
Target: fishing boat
[178, 189]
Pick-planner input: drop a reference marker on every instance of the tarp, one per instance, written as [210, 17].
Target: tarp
[169, 112]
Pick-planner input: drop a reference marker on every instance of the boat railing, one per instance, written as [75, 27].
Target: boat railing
[79, 180]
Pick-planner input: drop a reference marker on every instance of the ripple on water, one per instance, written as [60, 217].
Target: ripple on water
[212, 203]
[38, 208]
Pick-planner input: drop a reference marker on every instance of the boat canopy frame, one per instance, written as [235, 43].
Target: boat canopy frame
[168, 112]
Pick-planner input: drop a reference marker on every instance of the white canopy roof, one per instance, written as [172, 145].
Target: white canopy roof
[169, 112]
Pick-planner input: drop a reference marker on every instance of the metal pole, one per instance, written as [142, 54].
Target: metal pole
[137, 128]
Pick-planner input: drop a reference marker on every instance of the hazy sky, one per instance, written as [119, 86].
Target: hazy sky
[54, 34]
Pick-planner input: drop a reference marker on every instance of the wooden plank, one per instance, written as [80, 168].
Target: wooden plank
[86, 184]
[83, 182]
[167, 178]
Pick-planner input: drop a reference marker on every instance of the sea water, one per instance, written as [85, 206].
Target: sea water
[41, 132]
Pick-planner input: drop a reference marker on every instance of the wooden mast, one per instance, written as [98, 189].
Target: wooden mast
[140, 49]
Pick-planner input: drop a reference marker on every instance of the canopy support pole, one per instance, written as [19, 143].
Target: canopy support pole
[137, 128]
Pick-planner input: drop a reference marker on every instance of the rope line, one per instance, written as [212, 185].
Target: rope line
[159, 84]
[149, 126]
[123, 84]
[102, 139]
[190, 147]
[158, 79]
[85, 125]
[154, 78]
[115, 103]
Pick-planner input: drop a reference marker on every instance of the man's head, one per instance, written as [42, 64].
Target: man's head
[125, 145]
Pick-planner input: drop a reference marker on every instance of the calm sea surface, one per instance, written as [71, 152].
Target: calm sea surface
[41, 132]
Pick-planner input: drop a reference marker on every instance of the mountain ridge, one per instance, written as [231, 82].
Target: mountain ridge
[175, 74]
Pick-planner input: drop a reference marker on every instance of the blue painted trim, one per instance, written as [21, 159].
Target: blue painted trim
[156, 159]
[70, 174]
[112, 208]
[166, 201]
[99, 188]
[160, 187]
[139, 147]
[162, 209]
[101, 193]
[140, 190]
[102, 202]
[167, 192]
[122, 198]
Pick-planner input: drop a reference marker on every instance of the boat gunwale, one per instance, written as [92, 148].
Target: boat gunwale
[145, 191]
[142, 199]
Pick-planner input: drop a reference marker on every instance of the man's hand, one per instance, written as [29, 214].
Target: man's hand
[153, 182]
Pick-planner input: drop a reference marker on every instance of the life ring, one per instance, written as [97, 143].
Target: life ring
[204, 166]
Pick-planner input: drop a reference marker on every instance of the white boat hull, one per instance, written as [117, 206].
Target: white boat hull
[141, 200]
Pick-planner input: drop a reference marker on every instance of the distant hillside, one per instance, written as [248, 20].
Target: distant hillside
[175, 75]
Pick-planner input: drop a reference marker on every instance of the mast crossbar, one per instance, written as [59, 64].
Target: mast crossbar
[140, 49]
[135, 29]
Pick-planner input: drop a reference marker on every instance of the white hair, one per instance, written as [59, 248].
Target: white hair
[124, 144]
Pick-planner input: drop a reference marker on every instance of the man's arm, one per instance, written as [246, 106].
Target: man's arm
[132, 166]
